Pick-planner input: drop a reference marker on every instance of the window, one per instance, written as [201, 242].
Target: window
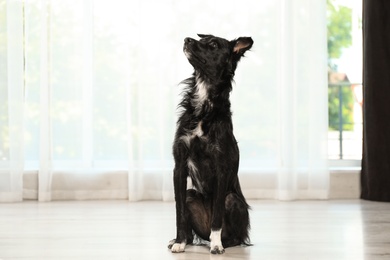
[345, 80]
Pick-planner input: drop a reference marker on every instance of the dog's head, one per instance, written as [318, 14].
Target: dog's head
[215, 58]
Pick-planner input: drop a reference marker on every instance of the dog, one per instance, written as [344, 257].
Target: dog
[206, 152]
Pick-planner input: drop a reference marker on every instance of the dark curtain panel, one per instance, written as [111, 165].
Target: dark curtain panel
[375, 177]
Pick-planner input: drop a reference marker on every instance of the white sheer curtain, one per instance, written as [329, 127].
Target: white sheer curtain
[88, 95]
[11, 101]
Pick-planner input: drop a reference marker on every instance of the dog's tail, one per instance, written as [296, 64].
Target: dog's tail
[238, 191]
[245, 237]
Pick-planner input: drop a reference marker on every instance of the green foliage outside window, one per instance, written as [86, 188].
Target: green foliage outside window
[339, 27]
[347, 107]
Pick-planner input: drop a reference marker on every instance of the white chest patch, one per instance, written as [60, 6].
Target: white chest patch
[198, 130]
[201, 95]
[192, 168]
[194, 174]
[187, 138]
[201, 91]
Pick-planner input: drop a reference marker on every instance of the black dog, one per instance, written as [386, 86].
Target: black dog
[206, 151]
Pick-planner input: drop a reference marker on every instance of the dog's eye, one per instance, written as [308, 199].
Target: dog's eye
[213, 45]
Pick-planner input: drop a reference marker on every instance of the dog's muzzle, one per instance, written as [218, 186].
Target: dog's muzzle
[189, 40]
[188, 49]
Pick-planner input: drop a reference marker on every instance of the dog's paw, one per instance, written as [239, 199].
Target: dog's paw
[170, 244]
[215, 242]
[217, 250]
[176, 247]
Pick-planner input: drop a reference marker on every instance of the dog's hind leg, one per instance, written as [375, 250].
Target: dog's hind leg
[200, 213]
[236, 221]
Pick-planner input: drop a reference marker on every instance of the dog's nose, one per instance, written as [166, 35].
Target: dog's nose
[188, 40]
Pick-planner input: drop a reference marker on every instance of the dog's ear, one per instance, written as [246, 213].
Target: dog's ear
[241, 45]
[204, 35]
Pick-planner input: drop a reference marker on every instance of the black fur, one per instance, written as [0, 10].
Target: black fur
[206, 150]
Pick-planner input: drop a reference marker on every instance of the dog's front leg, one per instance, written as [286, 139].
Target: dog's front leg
[218, 213]
[180, 185]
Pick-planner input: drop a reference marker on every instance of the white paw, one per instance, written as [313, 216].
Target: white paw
[218, 249]
[176, 247]
[216, 243]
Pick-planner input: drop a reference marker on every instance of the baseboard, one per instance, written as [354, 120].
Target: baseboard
[344, 184]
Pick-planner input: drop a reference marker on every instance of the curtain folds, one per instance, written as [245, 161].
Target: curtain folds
[302, 167]
[11, 176]
[375, 177]
[45, 106]
[89, 94]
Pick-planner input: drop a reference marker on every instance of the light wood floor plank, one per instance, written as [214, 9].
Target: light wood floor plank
[123, 230]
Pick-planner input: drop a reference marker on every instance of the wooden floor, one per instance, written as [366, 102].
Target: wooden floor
[122, 230]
